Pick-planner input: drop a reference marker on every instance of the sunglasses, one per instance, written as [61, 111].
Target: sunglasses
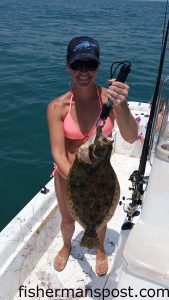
[89, 65]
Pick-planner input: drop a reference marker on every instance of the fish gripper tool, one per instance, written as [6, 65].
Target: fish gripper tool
[124, 71]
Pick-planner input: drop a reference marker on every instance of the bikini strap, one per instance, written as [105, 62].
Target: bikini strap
[99, 96]
[70, 104]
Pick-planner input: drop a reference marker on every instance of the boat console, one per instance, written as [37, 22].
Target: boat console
[145, 255]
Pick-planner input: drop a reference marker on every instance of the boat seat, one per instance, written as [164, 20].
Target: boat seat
[146, 253]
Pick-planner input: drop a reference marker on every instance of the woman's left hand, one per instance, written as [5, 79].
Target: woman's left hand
[117, 91]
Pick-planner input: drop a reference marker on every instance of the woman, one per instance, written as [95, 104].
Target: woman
[72, 120]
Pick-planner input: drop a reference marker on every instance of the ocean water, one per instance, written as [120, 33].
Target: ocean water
[33, 42]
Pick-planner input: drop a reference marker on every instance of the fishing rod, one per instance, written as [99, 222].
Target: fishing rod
[137, 177]
[165, 22]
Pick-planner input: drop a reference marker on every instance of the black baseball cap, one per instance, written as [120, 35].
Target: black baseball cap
[83, 47]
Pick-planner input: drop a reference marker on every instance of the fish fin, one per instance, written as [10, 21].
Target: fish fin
[90, 240]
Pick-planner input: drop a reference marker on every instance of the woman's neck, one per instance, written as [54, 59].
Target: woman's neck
[85, 95]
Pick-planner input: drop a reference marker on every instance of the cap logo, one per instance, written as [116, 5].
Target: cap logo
[84, 44]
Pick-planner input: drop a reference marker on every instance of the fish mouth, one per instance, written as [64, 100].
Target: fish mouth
[101, 148]
[83, 156]
[88, 155]
[93, 150]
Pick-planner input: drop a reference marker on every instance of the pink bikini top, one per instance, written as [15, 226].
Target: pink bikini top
[73, 132]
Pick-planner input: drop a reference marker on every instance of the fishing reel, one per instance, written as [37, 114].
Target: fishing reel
[134, 207]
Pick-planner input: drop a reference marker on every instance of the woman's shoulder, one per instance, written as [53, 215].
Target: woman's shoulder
[60, 101]
[60, 104]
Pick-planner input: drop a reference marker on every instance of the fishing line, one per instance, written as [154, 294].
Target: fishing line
[165, 22]
[153, 112]
[159, 98]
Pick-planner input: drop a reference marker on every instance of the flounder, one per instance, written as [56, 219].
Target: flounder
[93, 189]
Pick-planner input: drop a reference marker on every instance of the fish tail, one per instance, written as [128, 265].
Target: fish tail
[90, 240]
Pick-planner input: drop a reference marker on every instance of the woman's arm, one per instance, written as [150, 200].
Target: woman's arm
[57, 139]
[117, 93]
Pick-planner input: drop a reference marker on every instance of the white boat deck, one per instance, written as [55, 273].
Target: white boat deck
[79, 273]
